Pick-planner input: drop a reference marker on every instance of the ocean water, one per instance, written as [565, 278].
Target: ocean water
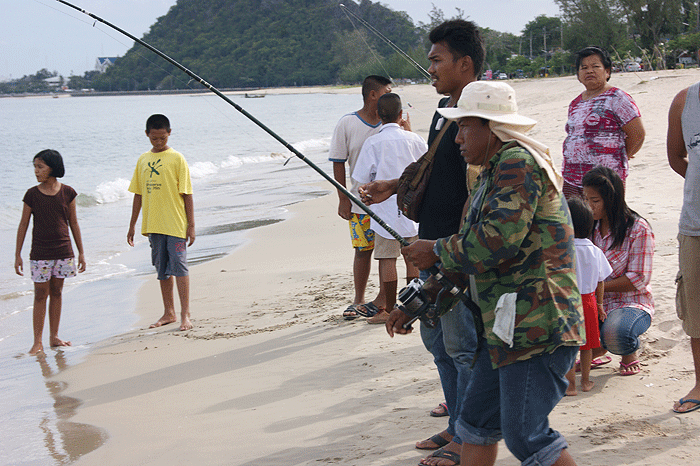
[239, 181]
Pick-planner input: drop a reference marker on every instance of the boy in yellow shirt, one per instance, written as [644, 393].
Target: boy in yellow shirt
[163, 190]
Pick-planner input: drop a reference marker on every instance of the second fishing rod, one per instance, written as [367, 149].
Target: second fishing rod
[444, 281]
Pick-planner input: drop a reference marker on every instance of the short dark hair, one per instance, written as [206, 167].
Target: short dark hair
[53, 160]
[157, 121]
[463, 38]
[594, 50]
[389, 107]
[373, 83]
[581, 217]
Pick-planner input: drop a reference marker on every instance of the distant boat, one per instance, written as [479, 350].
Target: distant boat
[254, 96]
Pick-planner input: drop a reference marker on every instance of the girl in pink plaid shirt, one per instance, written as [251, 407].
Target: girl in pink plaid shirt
[628, 243]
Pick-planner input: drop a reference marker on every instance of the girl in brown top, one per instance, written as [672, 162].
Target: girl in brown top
[51, 258]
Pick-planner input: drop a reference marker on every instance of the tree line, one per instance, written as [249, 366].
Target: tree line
[273, 43]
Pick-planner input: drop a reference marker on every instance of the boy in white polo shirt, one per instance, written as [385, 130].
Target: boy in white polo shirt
[384, 156]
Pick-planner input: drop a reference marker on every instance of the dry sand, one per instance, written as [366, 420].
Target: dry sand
[272, 375]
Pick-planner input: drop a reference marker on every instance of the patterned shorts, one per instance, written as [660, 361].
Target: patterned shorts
[360, 232]
[42, 271]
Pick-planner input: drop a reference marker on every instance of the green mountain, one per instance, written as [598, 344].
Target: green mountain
[267, 43]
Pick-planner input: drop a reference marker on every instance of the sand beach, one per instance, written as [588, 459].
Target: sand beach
[272, 375]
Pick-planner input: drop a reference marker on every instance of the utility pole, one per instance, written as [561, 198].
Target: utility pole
[561, 30]
[544, 38]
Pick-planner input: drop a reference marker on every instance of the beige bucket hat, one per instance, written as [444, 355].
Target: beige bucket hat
[491, 100]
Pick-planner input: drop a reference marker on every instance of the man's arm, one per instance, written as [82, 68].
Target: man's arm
[499, 233]
[189, 212]
[344, 204]
[675, 144]
[135, 210]
[378, 191]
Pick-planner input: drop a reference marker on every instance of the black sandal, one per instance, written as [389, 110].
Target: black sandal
[367, 309]
[350, 313]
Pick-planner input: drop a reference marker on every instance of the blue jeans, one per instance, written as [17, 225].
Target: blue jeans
[620, 332]
[452, 344]
[513, 402]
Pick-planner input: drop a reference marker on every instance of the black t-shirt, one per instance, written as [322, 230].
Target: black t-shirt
[444, 198]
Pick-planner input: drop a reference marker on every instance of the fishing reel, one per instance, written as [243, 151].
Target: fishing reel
[439, 294]
[416, 304]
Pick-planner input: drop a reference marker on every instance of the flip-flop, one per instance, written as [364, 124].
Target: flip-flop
[625, 369]
[600, 361]
[367, 309]
[437, 440]
[448, 455]
[350, 313]
[440, 411]
[595, 363]
[687, 400]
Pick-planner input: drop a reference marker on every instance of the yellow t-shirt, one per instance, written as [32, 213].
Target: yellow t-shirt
[161, 178]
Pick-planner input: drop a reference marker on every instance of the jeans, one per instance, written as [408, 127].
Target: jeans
[620, 331]
[513, 402]
[452, 344]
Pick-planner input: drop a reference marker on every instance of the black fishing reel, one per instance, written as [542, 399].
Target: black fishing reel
[416, 304]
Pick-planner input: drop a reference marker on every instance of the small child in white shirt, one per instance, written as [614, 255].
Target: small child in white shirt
[592, 268]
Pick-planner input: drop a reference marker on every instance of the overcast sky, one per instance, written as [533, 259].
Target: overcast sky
[36, 34]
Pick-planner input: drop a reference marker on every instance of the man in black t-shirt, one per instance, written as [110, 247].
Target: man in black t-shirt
[456, 57]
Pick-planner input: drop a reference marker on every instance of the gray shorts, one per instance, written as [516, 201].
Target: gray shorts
[687, 290]
[168, 255]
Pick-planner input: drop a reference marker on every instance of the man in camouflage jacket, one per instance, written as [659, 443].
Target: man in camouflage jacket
[517, 244]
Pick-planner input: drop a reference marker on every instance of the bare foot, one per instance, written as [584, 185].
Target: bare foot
[587, 386]
[186, 324]
[55, 341]
[165, 320]
[571, 390]
[429, 444]
[36, 349]
[431, 460]
[379, 318]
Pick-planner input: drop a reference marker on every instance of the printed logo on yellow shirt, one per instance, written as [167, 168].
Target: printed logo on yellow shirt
[154, 167]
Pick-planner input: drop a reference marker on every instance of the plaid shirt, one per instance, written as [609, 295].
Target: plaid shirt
[634, 260]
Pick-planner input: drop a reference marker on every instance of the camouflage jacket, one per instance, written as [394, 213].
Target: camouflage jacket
[517, 238]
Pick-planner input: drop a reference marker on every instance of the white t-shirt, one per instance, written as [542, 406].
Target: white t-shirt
[591, 265]
[384, 156]
[349, 135]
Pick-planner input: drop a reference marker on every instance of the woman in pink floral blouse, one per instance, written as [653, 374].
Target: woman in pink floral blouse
[604, 126]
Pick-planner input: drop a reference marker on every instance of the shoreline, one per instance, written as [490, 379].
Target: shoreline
[252, 92]
[271, 374]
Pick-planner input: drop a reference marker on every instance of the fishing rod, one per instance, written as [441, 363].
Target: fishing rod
[216, 91]
[447, 284]
[385, 39]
